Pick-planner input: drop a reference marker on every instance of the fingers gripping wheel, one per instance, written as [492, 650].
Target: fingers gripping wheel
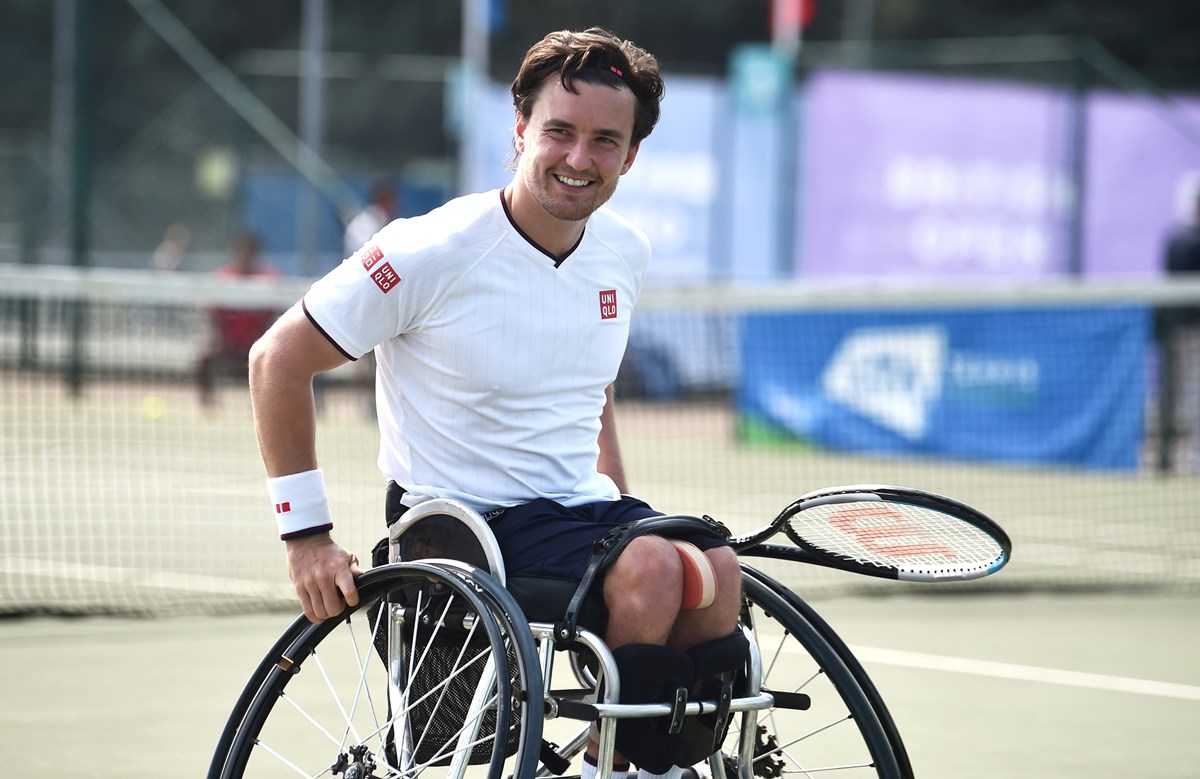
[651, 674]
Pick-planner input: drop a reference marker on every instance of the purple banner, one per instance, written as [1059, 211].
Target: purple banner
[922, 177]
[1142, 173]
[930, 177]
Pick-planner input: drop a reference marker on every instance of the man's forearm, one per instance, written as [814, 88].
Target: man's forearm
[282, 366]
[284, 421]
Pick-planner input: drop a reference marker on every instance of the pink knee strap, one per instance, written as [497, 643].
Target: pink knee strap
[699, 578]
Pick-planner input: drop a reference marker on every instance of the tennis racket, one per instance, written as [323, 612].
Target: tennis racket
[889, 532]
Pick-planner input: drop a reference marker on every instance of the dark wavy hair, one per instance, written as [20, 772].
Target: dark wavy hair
[594, 56]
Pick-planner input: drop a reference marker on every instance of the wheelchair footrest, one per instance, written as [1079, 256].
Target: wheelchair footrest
[797, 701]
[591, 712]
[554, 762]
[571, 709]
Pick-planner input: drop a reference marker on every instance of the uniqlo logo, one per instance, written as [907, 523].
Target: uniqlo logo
[283, 508]
[385, 278]
[371, 255]
[608, 304]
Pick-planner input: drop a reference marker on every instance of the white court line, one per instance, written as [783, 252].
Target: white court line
[1027, 673]
[170, 580]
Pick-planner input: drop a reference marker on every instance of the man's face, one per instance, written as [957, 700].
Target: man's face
[575, 147]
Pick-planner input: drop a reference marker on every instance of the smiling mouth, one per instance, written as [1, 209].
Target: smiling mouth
[571, 182]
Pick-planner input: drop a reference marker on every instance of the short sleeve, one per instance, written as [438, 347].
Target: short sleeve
[370, 297]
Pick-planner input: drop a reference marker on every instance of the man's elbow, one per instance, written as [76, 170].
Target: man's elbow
[263, 356]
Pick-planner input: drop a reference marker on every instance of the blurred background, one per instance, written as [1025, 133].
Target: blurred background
[913, 241]
[1061, 135]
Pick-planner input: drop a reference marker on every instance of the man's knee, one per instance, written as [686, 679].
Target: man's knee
[726, 565]
[648, 569]
[652, 566]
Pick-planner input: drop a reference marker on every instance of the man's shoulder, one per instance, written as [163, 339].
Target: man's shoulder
[609, 219]
[465, 210]
[463, 220]
[615, 230]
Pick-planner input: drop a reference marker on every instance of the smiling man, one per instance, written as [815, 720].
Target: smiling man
[499, 322]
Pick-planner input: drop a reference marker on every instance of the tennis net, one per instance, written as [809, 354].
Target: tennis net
[1039, 405]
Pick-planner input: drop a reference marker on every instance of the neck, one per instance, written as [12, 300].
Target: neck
[554, 235]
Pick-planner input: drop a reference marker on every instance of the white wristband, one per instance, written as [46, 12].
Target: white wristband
[300, 504]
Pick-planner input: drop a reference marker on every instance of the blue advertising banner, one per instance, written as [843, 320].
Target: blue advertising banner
[1063, 386]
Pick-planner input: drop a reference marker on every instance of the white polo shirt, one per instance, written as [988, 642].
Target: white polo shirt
[493, 361]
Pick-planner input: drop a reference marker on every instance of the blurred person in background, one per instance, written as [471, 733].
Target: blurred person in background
[380, 210]
[1182, 334]
[171, 252]
[232, 331]
[499, 321]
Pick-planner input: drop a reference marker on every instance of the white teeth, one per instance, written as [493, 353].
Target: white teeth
[572, 182]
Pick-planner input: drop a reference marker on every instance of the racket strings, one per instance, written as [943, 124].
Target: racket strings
[896, 535]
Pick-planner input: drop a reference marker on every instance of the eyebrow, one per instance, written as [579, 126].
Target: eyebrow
[564, 124]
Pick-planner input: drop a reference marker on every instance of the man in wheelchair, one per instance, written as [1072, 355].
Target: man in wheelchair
[498, 322]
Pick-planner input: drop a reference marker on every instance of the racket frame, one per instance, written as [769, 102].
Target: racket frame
[754, 544]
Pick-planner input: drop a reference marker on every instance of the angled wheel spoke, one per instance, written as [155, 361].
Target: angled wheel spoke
[839, 732]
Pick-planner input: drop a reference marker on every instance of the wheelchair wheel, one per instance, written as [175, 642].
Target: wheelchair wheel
[827, 714]
[435, 670]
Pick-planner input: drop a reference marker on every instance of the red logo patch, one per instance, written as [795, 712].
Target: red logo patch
[608, 304]
[385, 278]
[283, 508]
[371, 255]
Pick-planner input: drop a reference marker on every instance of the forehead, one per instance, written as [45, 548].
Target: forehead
[591, 106]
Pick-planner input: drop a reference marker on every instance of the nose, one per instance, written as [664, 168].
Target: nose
[578, 156]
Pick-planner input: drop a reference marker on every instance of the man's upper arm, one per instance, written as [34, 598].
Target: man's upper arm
[297, 342]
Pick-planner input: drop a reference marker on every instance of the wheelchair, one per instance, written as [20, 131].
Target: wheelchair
[448, 668]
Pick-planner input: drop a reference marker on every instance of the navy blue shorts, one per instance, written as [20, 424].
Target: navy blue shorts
[546, 538]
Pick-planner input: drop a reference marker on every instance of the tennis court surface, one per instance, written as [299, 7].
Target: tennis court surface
[142, 514]
[999, 686]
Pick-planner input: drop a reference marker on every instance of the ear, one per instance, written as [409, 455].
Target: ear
[629, 157]
[519, 133]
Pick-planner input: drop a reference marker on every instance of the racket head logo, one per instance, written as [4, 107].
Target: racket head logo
[885, 531]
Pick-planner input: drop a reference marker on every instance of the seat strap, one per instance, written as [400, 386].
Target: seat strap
[607, 548]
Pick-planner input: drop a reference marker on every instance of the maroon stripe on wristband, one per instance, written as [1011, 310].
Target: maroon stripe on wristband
[308, 531]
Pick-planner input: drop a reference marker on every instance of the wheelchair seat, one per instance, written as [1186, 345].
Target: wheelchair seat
[446, 528]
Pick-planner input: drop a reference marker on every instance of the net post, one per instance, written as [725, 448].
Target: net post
[81, 183]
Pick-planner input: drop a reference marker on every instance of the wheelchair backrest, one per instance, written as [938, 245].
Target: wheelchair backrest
[448, 529]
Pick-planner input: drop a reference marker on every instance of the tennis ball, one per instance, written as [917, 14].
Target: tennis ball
[153, 407]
